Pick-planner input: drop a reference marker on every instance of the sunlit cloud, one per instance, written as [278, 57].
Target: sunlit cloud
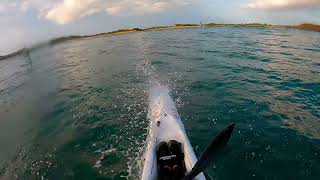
[283, 4]
[66, 11]
[70, 10]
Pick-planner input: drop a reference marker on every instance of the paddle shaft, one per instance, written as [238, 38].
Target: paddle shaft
[216, 146]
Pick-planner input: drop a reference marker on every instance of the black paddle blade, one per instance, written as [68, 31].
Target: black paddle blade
[215, 147]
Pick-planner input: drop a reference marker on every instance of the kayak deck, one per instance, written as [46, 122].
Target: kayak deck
[165, 125]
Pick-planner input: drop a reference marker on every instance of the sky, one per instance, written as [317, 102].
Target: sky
[24, 23]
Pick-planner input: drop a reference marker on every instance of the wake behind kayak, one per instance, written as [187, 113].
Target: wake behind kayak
[168, 151]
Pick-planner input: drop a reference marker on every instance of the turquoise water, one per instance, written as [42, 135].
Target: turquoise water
[78, 109]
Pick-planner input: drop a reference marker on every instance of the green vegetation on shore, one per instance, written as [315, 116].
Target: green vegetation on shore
[238, 25]
[120, 31]
[308, 26]
[187, 25]
[304, 26]
[62, 39]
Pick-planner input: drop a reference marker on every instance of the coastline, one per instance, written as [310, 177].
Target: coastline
[16, 53]
[305, 26]
[125, 31]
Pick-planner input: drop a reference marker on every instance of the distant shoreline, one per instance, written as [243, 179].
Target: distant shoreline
[305, 26]
[16, 53]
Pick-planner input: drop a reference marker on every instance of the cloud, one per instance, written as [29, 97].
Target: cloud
[283, 4]
[23, 6]
[39, 5]
[71, 10]
[65, 11]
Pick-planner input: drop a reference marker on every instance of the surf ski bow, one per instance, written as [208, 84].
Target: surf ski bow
[165, 125]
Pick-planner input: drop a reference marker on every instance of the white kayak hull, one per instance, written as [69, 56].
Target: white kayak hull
[163, 110]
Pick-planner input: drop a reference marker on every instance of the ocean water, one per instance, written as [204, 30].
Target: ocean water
[78, 109]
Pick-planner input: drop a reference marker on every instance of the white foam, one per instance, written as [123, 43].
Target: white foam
[103, 155]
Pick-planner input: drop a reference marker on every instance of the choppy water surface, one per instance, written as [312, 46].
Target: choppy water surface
[78, 110]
